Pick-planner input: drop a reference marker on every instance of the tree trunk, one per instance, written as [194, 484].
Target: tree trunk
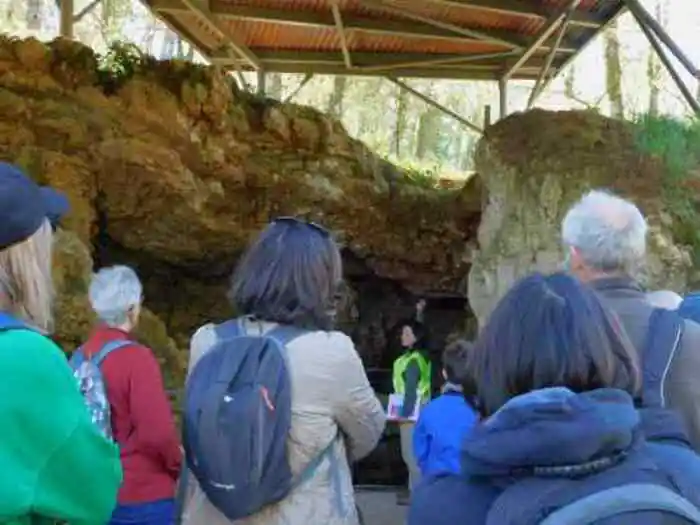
[335, 101]
[401, 101]
[613, 71]
[654, 79]
[654, 66]
[274, 85]
[428, 131]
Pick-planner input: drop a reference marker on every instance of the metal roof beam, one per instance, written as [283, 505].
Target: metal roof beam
[338, 19]
[457, 60]
[351, 23]
[549, 28]
[307, 78]
[655, 41]
[202, 10]
[447, 111]
[643, 16]
[622, 8]
[365, 61]
[545, 72]
[487, 36]
[337, 67]
[525, 8]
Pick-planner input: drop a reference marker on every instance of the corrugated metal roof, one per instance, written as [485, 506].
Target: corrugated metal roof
[434, 38]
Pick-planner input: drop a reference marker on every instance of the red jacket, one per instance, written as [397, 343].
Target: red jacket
[142, 421]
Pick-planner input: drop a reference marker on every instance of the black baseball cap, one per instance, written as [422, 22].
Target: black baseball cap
[24, 205]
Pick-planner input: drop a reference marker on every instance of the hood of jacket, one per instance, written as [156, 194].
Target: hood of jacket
[554, 432]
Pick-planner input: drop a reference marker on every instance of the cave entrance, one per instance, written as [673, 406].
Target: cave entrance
[372, 316]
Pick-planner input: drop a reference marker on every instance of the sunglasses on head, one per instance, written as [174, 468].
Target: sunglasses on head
[303, 222]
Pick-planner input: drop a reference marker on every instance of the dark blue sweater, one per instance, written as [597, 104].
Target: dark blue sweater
[442, 427]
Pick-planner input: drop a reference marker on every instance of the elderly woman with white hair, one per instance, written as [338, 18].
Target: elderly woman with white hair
[141, 418]
[50, 451]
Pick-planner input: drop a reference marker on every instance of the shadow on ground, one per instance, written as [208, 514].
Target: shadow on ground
[379, 507]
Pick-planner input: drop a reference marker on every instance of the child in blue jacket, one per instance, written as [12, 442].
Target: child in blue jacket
[444, 422]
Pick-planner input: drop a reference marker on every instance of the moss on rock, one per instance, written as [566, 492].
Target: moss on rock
[173, 165]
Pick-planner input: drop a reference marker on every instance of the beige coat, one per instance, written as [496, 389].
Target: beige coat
[330, 391]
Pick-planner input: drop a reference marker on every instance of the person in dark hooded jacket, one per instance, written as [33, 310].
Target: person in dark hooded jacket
[556, 380]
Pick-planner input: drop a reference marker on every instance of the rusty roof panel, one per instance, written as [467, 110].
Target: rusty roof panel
[281, 36]
[386, 37]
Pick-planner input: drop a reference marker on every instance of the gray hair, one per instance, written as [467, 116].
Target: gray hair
[609, 232]
[666, 299]
[26, 284]
[113, 292]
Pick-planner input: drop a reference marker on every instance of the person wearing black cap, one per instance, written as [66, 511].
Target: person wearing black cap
[54, 463]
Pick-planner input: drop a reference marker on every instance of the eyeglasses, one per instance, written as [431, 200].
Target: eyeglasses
[296, 220]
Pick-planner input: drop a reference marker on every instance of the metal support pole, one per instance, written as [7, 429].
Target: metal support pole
[503, 98]
[66, 27]
[85, 10]
[544, 72]
[549, 28]
[690, 98]
[487, 116]
[296, 91]
[644, 17]
[436, 105]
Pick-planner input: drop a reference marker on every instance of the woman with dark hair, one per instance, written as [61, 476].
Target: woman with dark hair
[556, 380]
[412, 378]
[290, 276]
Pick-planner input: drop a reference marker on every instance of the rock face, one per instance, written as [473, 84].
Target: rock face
[537, 164]
[170, 168]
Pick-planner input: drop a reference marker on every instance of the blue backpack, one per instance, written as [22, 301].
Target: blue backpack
[690, 307]
[92, 386]
[236, 421]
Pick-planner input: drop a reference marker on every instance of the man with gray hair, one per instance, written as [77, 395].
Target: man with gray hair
[605, 241]
[141, 417]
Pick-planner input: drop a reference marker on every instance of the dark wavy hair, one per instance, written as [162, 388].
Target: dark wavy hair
[419, 332]
[291, 275]
[550, 331]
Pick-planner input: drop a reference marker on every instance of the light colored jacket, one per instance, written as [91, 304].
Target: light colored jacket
[330, 392]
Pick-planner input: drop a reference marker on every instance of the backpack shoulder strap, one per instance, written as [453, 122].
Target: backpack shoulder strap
[285, 334]
[662, 343]
[310, 468]
[229, 329]
[633, 497]
[108, 348]
[335, 474]
[282, 334]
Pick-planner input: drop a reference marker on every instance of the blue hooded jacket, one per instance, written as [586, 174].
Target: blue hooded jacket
[442, 426]
[557, 446]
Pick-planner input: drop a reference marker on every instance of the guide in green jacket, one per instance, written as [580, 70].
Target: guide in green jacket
[55, 466]
[412, 379]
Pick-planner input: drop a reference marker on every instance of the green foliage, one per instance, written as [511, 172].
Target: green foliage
[676, 144]
[121, 62]
[424, 176]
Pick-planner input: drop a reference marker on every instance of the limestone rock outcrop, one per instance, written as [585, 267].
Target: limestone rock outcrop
[534, 166]
[169, 167]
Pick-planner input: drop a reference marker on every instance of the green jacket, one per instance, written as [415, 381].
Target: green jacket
[54, 464]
